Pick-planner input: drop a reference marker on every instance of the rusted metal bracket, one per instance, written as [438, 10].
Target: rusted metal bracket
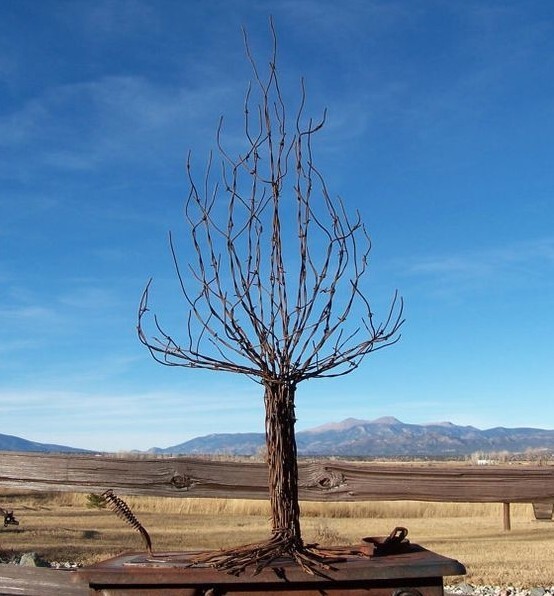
[9, 518]
[395, 543]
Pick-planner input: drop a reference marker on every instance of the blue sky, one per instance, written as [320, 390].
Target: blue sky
[440, 131]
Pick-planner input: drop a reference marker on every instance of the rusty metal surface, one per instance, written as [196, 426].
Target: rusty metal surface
[385, 589]
[173, 571]
[395, 543]
[415, 573]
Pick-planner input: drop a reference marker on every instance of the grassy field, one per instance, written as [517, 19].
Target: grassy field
[61, 527]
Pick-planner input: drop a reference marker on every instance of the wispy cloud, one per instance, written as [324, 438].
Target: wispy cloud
[35, 325]
[341, 21]
[111, 18]
[32, 314]
[10, 346]
[115, 420]
[523, 262]
[78, 295]
[89, 298]
[127, 119]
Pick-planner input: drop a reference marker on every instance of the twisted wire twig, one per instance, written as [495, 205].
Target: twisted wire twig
[122, 510]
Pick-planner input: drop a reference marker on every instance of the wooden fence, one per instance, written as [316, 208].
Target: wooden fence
[326, 480]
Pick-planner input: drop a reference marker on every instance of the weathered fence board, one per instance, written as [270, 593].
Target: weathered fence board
[319, 480]
[39, 581]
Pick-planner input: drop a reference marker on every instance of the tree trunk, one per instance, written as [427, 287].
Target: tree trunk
[286, 540]
[282, 460]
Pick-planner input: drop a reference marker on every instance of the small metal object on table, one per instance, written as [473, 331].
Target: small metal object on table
[413, 572]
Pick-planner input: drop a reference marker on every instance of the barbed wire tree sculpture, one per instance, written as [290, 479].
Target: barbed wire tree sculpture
[273, 291]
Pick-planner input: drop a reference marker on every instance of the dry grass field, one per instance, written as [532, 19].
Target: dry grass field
[61, 527]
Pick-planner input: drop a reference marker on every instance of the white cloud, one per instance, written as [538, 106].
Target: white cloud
[24, 310]
[10, 346]
[339, 21]
[127, 118]
[513, 264]
[89, 298]
[30, 313]
[119, 420]
[111, 18]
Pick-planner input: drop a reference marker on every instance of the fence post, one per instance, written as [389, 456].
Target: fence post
[507, 521]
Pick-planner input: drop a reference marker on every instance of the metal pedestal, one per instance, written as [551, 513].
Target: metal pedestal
[416, 572]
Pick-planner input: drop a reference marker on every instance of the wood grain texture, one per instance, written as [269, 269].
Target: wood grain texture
[319, 481]
[40, 581]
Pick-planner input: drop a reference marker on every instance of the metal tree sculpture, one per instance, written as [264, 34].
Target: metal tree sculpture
[274, 291]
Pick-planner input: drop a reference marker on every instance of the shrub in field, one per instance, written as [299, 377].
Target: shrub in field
[95, 501]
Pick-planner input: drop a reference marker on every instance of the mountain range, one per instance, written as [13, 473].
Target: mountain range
[12, 443]
[384, 437]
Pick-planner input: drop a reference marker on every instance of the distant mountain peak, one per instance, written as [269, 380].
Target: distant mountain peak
[349, 423]
[386, 420]
[345, 424]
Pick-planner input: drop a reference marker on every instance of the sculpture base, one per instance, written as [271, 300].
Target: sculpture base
[416, 572]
